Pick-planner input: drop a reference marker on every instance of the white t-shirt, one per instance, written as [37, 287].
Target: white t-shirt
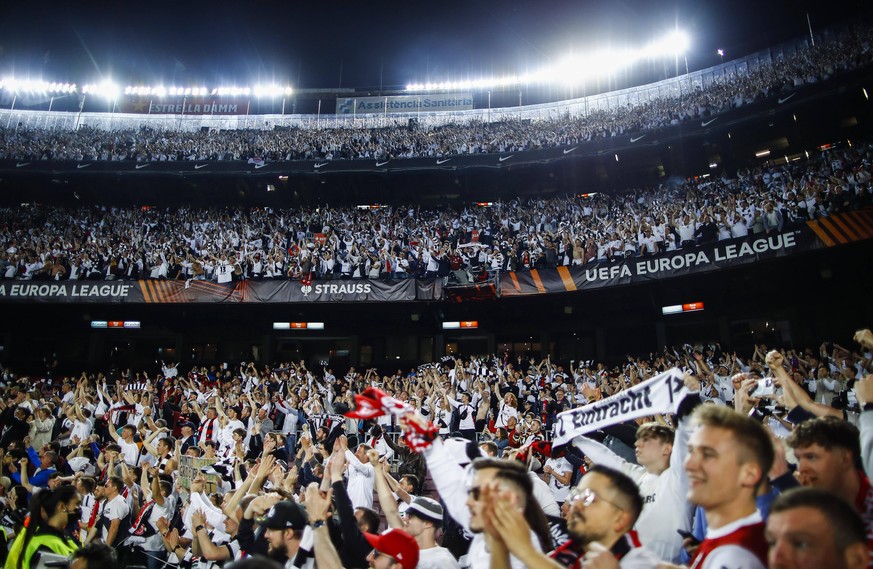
[81, 429]
[115, 509]
[436, 558]
[560, 465]
[506, 411]
[226, 437]
[130, 452]
[156, 542]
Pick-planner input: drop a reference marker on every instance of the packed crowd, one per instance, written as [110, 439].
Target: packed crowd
[55, 243]
[847, 51]
[451, 464]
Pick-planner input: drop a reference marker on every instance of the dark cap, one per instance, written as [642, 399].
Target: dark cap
[285, 515]
[396, 543]
[188, 424]
[426, 509]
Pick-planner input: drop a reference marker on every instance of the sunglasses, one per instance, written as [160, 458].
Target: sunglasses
[377, 554]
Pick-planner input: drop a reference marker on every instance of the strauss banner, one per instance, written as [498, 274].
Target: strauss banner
[827, 232]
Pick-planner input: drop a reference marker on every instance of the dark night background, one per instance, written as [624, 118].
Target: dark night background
[368, 44]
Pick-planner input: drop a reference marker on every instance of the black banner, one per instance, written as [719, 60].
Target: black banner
[633, 270]
[166, 292]
[832, 231]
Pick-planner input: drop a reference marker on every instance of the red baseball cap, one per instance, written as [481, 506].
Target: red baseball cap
[396, 543]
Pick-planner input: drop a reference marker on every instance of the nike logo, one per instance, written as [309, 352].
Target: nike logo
[141, 166]
[379, 164]
[21, 164]
[638, 138]
[705, 124]
[783, 99]
[505, 158]
[442, 161]
[259, 166]
[569, 150]
[80, 166]
[198, 166]
[321, 165]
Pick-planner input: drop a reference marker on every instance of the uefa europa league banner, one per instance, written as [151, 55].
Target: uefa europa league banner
[834, 231]
[166, 292]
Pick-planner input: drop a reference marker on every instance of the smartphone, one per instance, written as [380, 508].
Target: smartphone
[688, 535]
[764, 387]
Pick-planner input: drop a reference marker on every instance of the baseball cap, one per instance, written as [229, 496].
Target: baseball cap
[187, 424]
[396, 543]
[426, 509]
[285, 515]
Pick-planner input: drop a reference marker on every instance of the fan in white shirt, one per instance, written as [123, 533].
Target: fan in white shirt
[361, 474]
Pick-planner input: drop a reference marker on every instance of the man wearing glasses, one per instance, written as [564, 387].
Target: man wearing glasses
[602, 511]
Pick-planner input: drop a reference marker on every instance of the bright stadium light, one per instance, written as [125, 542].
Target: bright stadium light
[571, 70]
[180, 91]
[107, 90]
[144, 91]
[232, 91]
[36, 86]
[271, 91]
[674, 43]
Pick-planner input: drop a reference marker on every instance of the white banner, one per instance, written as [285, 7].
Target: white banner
[405, 104]
[660, 394]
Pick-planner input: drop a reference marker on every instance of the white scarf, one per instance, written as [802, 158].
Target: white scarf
[660, 394]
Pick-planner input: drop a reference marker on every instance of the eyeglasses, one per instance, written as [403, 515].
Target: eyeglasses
[587, 496]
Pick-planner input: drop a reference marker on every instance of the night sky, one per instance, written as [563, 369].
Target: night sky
[370, 43]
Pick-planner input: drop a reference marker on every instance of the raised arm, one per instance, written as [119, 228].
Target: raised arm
[147, 442]
[794, 393]
[386, 500]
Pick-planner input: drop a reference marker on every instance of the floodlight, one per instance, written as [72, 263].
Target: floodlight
[107, 90]
[675, 43]
[271, 90]
[571, 70]
[35, 86]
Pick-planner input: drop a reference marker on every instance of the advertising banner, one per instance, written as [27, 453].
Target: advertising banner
[405, 103]
[155, 291]
[832, 231]
[694, 260]
[184, 106]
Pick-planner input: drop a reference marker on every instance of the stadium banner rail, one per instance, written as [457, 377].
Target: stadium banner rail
[835, 230]
[154, 291]
[832, 231]
[404, 103]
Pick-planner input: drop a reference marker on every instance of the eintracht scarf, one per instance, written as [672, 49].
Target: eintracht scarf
[660, 394]
[374, 403]
[141, 527]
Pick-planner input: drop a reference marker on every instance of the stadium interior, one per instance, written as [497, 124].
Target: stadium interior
[797, 298]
